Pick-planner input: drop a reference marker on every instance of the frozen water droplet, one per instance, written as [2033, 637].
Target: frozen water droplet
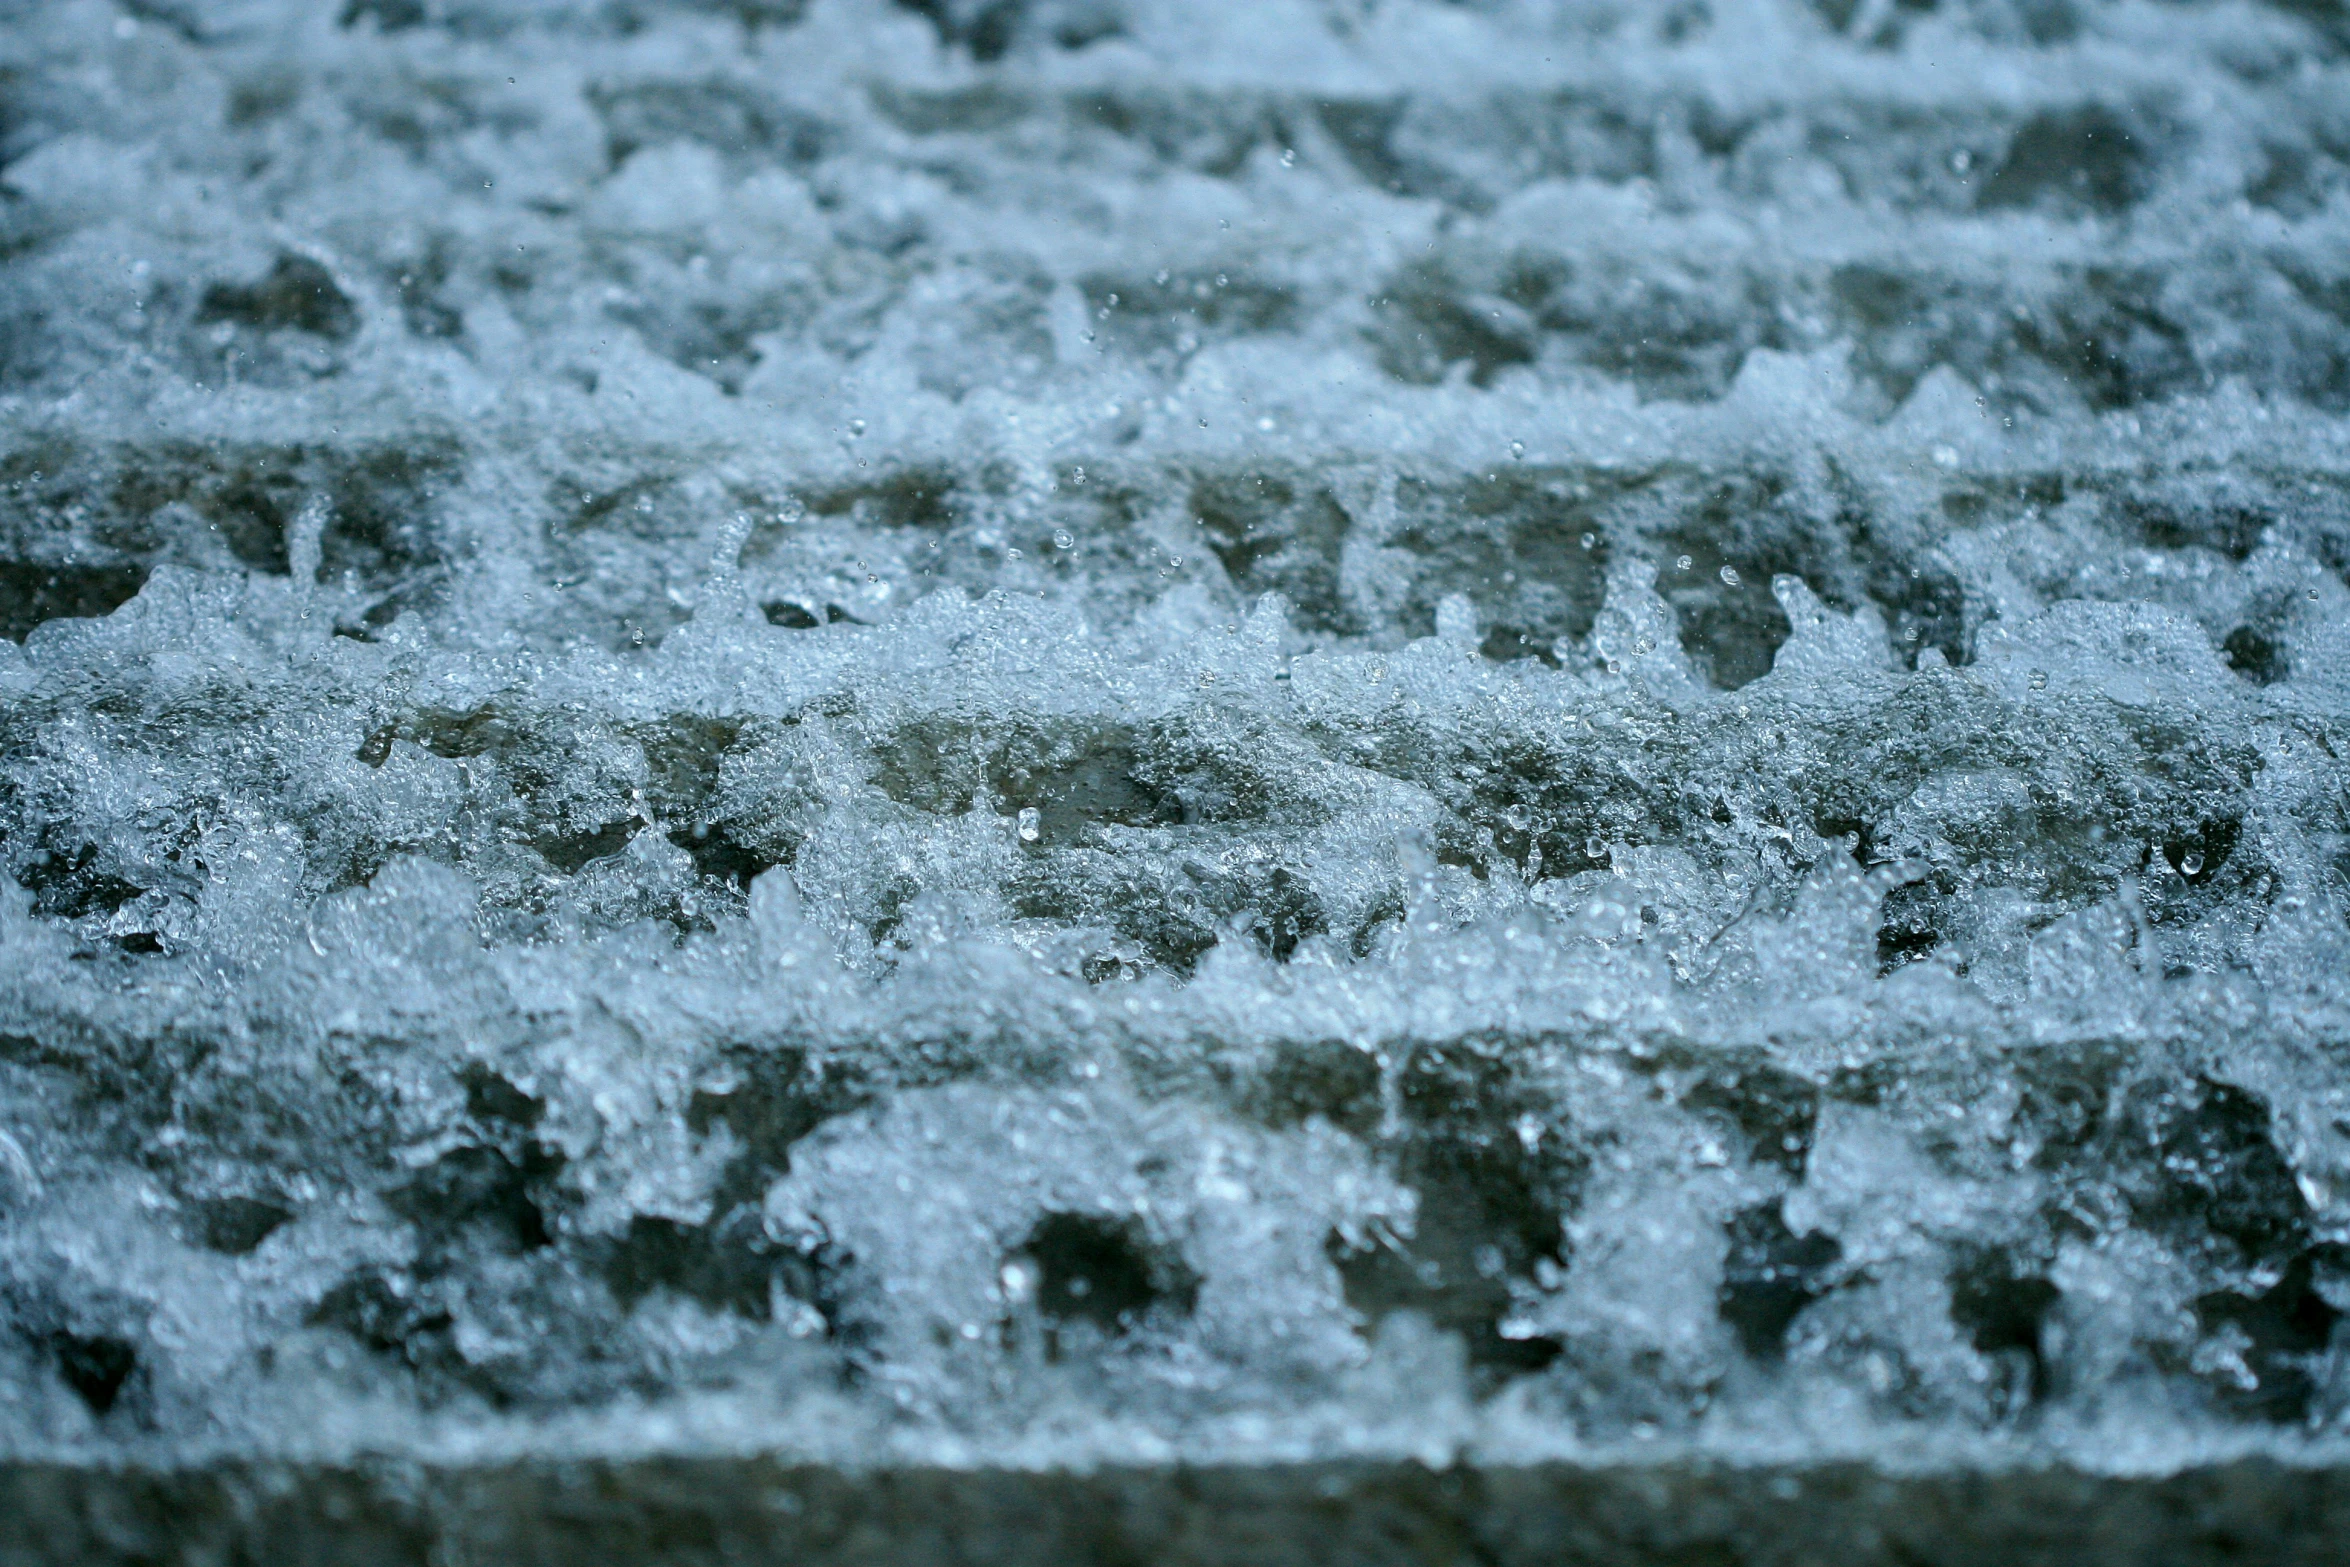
[1063, 539]
[1684, 563]
[1289, 157]
[2191, 863]
[1729, 576]
[1030, 831]
[1589, 539]
[1517, 448]
[2039, 679]
[856, 427]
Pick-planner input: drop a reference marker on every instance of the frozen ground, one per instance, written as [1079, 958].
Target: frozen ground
[1105, 729]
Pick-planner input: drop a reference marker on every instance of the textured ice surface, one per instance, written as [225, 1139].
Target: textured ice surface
[1116, 728]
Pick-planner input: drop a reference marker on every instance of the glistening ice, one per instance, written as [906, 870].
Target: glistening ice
[1061, 732]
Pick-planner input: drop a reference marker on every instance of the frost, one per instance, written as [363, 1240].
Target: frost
[1103, 729]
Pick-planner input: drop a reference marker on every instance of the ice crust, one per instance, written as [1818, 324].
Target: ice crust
[1098, 730]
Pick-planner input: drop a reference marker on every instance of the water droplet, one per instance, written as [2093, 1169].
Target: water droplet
[1012, 554]
[1030, 830]
[1729, 576]
[1289, 157]
[1517, 448]
[2191, 863]
[1590, 539]
[1063, 539]
[856, 427]
[1683, 564]
[2039, 679]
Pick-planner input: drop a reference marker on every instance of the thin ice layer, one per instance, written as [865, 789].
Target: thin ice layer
[1119, 730]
